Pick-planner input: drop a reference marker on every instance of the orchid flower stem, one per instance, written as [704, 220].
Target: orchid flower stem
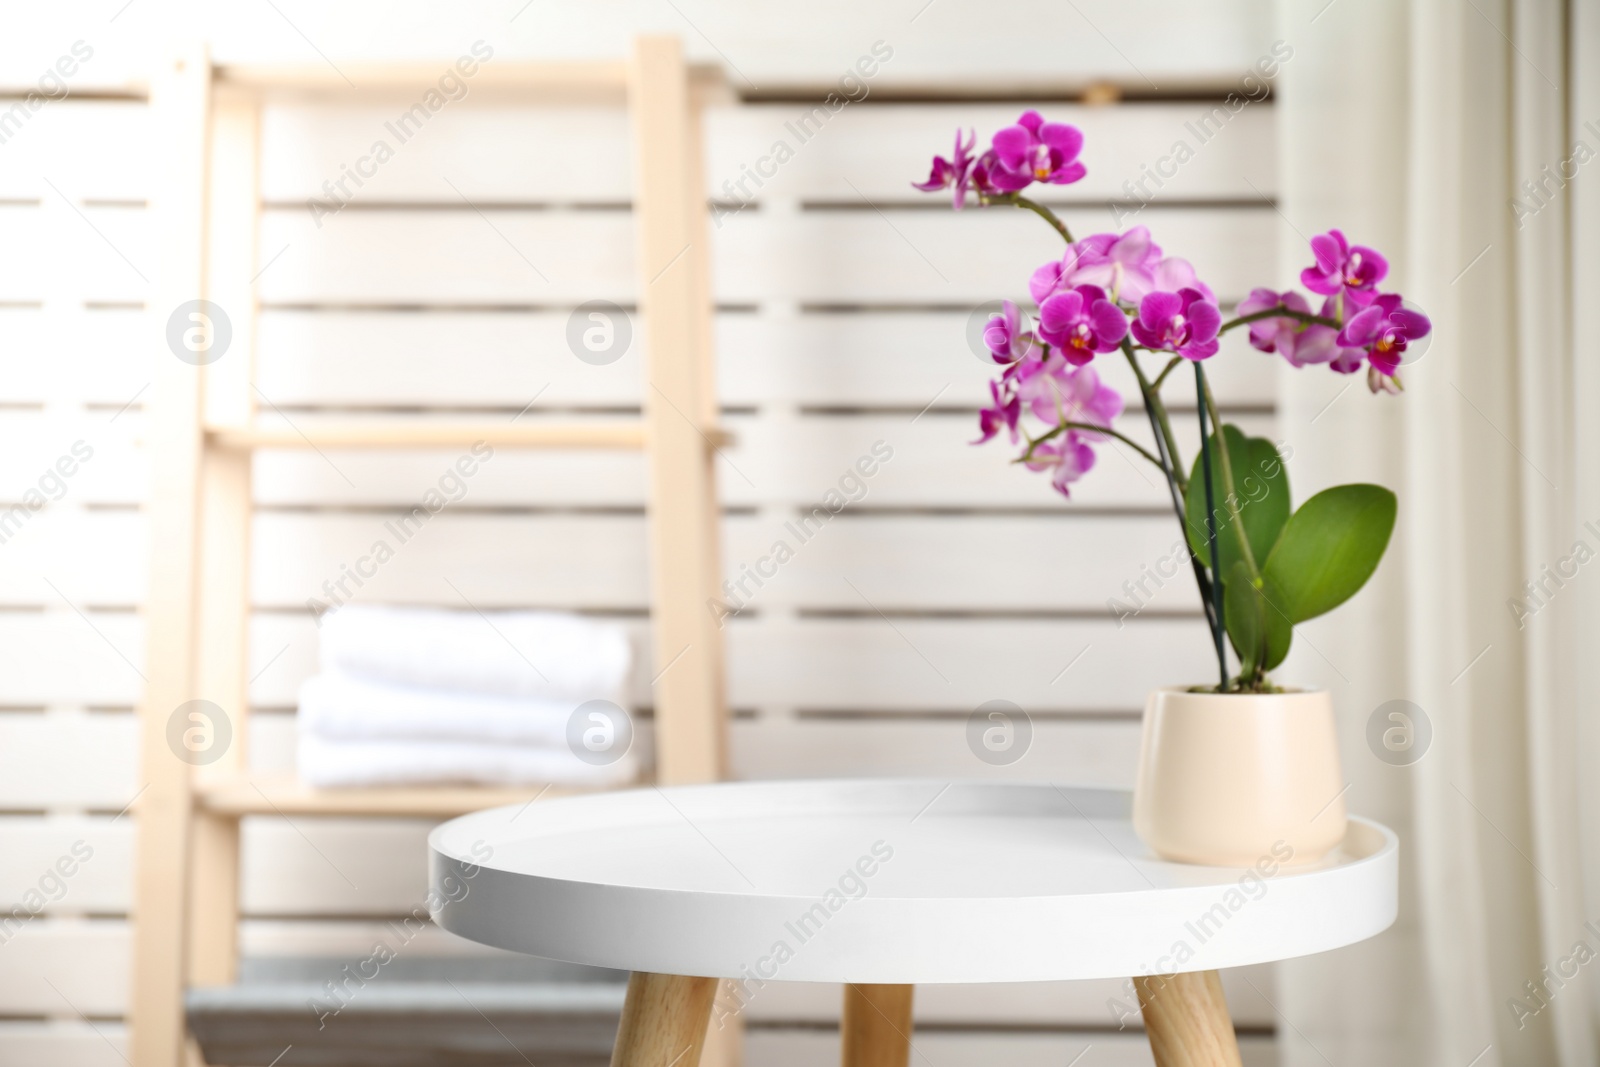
[1089, 426]
[1172, 364]
[1043, 212]
[1177, 486]
[1160, 425]
[1201, 582]
[1279, 312]
[1217, 622]
[1209, 404]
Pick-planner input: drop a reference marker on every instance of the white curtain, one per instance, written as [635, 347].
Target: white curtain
[1412, 125]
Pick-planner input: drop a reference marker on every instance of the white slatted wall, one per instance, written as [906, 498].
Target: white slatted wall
[445, 287]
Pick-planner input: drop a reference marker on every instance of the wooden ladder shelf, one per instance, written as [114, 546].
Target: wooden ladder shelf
[203, 431]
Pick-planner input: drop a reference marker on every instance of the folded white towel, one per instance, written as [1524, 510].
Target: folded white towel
[545, 655]
[340, 706]
[329, 763]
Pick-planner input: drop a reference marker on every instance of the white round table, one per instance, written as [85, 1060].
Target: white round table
[882, 885]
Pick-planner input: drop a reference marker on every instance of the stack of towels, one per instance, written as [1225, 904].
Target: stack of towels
[425, 696]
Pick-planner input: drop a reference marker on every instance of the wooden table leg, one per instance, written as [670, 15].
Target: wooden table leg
[876, 1030]
[724, 1044]
[663, 1021]
[1186, 1017]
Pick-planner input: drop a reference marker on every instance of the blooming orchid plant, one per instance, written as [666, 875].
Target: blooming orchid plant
[1261, 568]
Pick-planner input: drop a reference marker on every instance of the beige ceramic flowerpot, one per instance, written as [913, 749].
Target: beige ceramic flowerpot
[1228, 779]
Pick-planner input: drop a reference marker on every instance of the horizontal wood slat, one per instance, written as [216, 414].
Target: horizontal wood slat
[508, 359]
[498, 152]
[598, 560]
[281, 794]
[76, 865]
[774, 461]
[525, 78]
[870, 663]
[66, 970]
[878, 150]
[68, 146]
[858, 663]
[855, 255]
[415, 434]
[866, 358]
[64, 1044]
[502, 154]
[777, 460]
[1092, 751]
[95, 252]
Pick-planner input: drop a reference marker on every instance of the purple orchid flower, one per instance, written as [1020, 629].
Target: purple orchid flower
[1068, 457]
[1320, 344]
[1273, 335]
[1036, 151]
[1383, 331]
[1302, 344]
[1185, 322]
[1127, 265]
[953, 173]
[1103, 259]
[1005, 411]
[1056, 392]
[1378, 382]
[1081, 322]
[1005, 338]
[1354, 270]
[1173, 274]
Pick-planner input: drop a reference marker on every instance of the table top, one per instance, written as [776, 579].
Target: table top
[885, 881]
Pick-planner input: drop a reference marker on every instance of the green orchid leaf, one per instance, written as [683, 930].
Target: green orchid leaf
[1258, 624]
[1330, 547]
[1241, 610]
[1280, 625]
[1261, 499]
